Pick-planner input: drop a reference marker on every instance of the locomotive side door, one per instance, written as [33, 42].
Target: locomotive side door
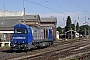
[45, 34]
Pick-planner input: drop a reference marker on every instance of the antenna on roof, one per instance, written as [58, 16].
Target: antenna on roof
[4, 9]
[24, 13]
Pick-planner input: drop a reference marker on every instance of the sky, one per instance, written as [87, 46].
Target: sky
[61, 9]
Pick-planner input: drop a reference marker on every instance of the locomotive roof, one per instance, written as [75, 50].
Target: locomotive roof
[22, 25]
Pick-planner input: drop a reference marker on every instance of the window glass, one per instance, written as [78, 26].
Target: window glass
[4, 36]
[20, 30]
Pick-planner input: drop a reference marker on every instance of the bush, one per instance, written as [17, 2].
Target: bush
[56, 39]
[6, 45]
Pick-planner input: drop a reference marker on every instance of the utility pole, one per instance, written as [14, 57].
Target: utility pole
[88, 29]
[75, 28]
[64, 29]
[24, 13]
[85, 24]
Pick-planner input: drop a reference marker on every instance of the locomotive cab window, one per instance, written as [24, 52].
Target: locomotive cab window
[21, 30]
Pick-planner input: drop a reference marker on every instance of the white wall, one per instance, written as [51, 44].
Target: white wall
[57, 34]
[6, 31]
[10, 13]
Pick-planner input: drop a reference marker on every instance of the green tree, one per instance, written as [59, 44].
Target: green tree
[77, 27]
[68, 24]
[73, 26]
[83, 28]
[59, 29]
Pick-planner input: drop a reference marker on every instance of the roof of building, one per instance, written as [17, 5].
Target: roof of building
[26, 17]
[50, 19]
[8, 24]
[47, 25]
[11, 13]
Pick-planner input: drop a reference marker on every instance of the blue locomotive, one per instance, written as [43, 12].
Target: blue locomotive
[26, 37]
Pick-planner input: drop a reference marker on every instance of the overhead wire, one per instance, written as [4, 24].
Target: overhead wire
[60, 7]
[69, 10]
[51, 8]
[45, 6]
[55, 9]
[63, 8]
[79, 7]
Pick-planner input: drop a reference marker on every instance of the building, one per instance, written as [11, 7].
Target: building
[9, 19]
[49, 22]
[10, 13]
[57, 34]
[7, 23]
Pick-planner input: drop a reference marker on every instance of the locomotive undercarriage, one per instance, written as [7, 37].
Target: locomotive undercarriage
[19, 47]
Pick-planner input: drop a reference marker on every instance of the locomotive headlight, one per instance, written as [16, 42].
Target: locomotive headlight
[15, 42]
[23, 41]
[25, 45]
[14, 45]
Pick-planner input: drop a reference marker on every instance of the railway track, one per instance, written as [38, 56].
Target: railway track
[85, 57]
[54, 52]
